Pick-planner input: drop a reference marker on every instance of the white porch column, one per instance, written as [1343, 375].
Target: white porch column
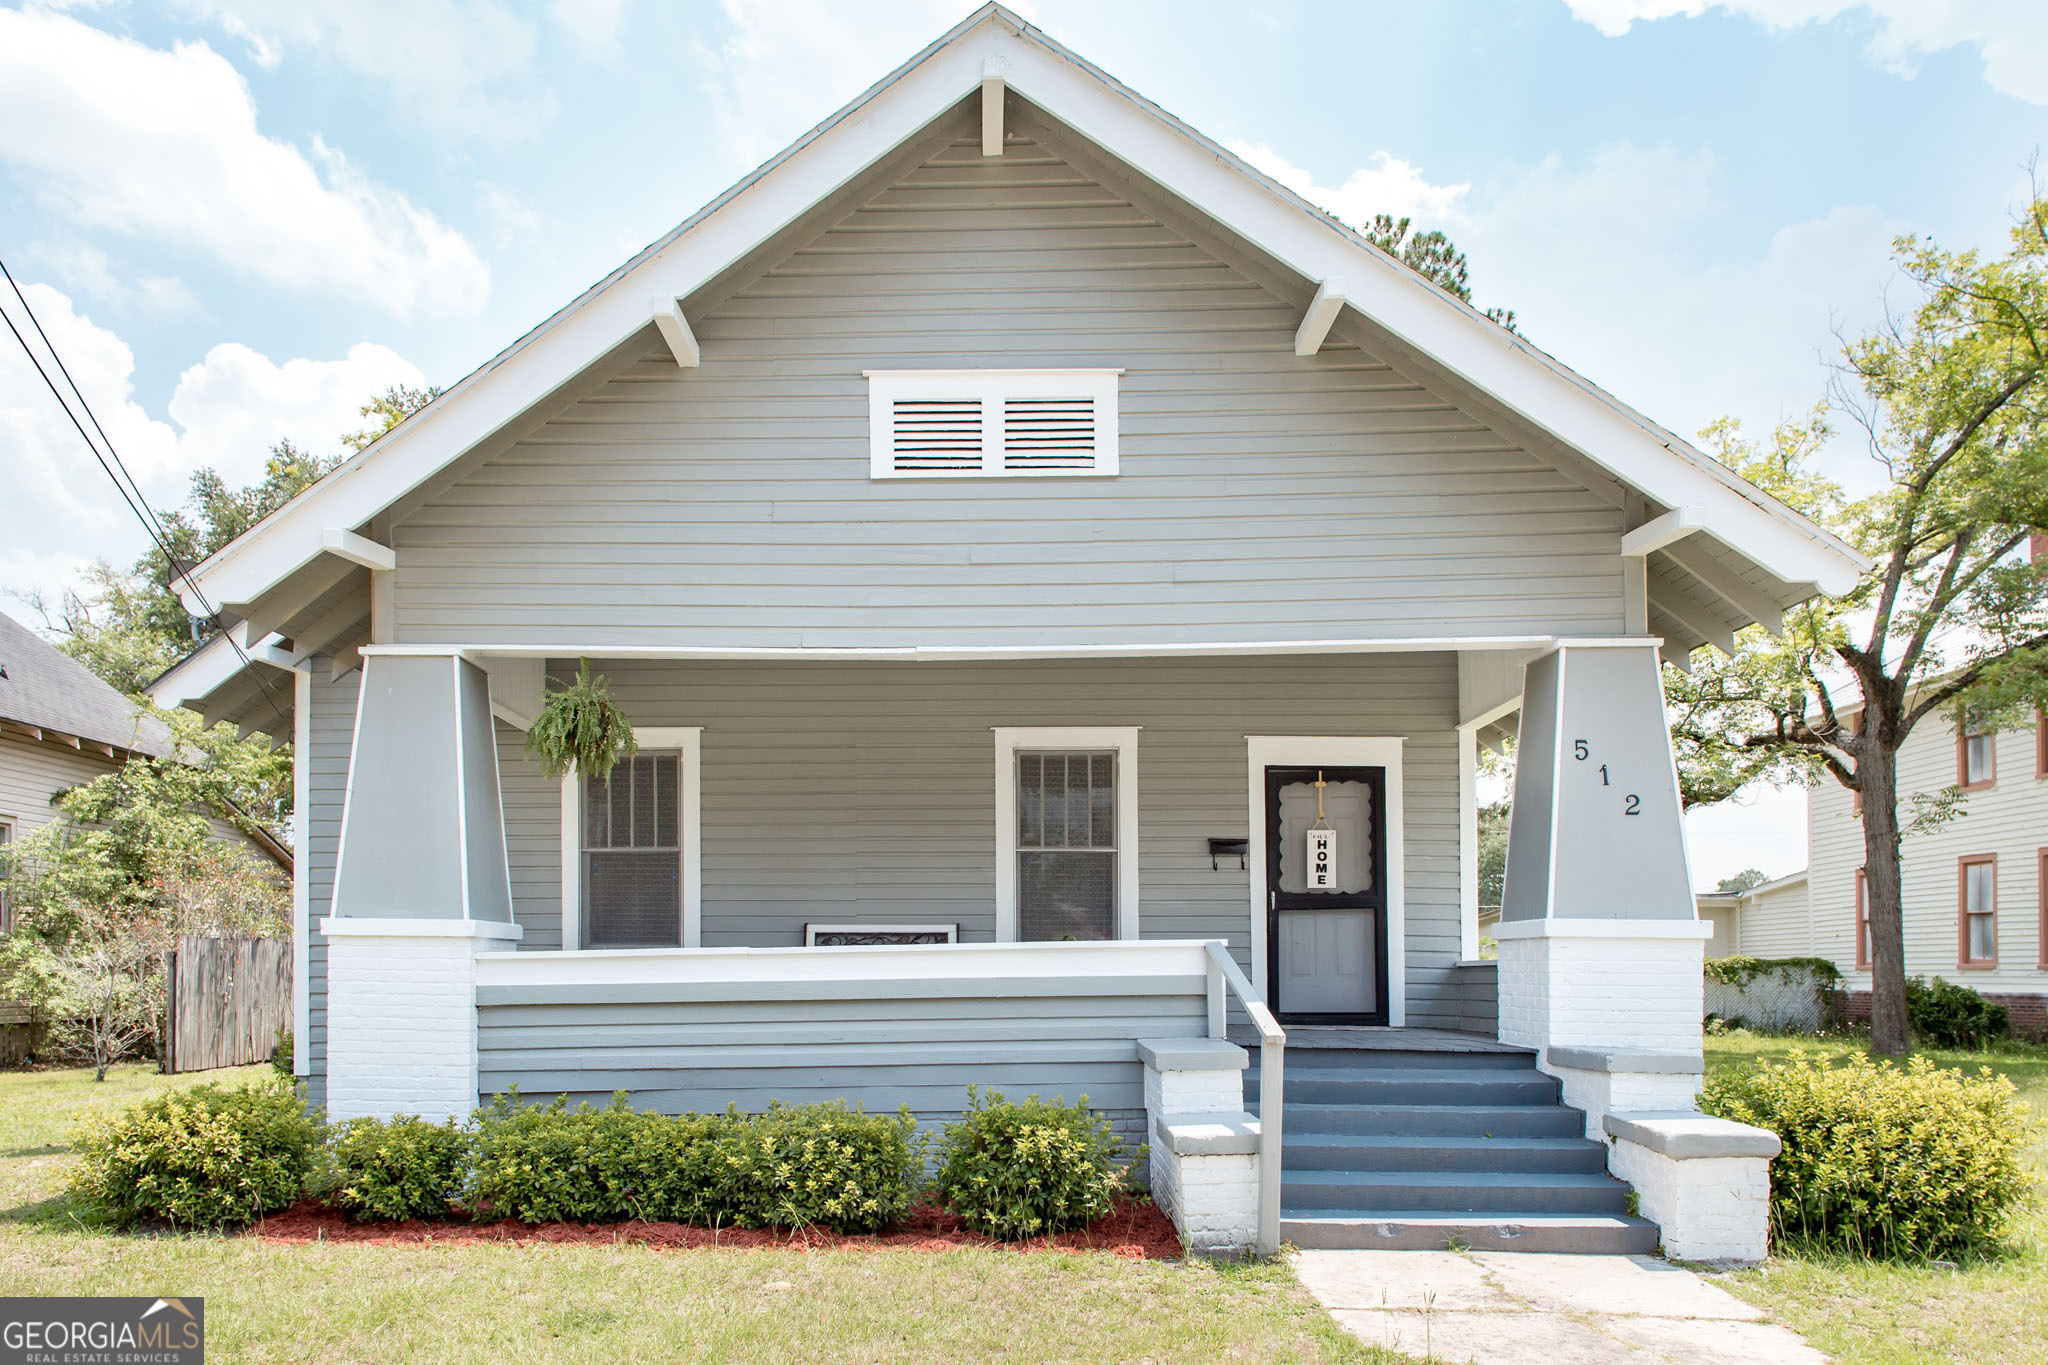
[421, 886]
[1600, 945]
[401, 1010]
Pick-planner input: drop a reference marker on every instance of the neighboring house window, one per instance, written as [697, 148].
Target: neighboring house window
[1977, 911]
[2040, 748]
[2041, 896]
[630, 846]
[950, 424]
[1066, 837]
[1862, 921]
[1976, 753]
[6, 867]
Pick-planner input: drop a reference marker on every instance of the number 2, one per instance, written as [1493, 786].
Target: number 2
[1634, 806]
[1579, 750]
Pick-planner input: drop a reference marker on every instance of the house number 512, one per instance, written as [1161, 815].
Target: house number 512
[1631, 804]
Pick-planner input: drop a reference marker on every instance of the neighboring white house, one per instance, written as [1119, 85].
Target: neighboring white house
[61, 726]
[1972, 887]
[1768, 920]
[1059, 579]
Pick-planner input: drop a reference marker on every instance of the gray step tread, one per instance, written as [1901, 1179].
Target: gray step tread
[1398, 1229]
[1506, 1180]
[1367, 1143]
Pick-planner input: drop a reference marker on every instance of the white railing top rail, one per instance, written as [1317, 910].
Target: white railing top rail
[1076, 961]
[1225, 975]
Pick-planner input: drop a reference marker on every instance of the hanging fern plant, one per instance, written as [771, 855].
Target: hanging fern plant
[580, 727]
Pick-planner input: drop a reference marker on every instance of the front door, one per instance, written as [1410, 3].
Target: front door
[1326, 894]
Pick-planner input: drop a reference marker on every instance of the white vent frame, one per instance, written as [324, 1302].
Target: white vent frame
[886, 388]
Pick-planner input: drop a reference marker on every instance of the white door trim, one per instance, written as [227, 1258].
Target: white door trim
[1264, 751]
[688, 740]
[1121, 738]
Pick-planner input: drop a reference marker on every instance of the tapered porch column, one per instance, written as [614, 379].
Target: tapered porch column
[420, 887]
[1600, 945]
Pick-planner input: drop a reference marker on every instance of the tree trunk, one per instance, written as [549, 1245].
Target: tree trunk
[1879, 775]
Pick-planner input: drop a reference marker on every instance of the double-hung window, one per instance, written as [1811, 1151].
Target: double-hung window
[6, 870]
[1976, 753]
[1977, 911]
[629, 848]
[1862, 920]
[1066, 834]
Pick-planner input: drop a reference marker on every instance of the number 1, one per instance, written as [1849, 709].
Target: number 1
[1603, 776]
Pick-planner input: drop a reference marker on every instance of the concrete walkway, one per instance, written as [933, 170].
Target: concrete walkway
[1523, 1308]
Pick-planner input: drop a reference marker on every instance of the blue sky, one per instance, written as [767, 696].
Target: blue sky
[240, 217]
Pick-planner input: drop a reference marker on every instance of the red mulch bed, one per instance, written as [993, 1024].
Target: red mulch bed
[1134, 1229]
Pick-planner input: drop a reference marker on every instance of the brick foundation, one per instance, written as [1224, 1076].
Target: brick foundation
[2029, 1012]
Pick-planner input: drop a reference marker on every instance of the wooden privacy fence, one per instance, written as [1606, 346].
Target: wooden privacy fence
[229, 997]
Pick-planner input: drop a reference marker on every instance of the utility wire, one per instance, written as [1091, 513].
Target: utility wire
[137, 504]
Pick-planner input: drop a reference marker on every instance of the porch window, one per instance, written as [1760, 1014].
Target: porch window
[632, 854]
[1066, 833]
[1977, 894]
[1066, 845]
[1976, 752]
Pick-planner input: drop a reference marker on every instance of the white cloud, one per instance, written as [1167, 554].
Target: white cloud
[1601, 259]
[592, 24]
[784, 67]
[226, 412]
[461, 68]
[164, 146]
[2011, 36]
[1764, 828]
[1386, 185]
[88, 270]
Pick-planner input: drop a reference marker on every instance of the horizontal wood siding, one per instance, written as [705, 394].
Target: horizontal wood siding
[1263, 495]
[333, 726]
[2008, 819]
[697, 1050]
[32, 771]
[866, 792]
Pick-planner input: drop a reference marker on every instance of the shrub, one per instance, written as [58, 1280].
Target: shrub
[1022, 1170]
[1883, 1161]
[820, 1164]
[403, 1168]
[1948, 1015]
[206, 1157]
[281, 1054]
[539, 1164]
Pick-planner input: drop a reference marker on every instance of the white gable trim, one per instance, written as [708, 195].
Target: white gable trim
[1308, 241]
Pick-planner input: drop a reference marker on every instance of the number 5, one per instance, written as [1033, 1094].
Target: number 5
[1579, 750]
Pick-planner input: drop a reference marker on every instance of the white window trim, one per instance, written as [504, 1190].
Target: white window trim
[687, 740]
[1123, 741]
[1291, 751]
[885, 387]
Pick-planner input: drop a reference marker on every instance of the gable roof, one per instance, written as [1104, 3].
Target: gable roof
[45, 689]
[1240, 199]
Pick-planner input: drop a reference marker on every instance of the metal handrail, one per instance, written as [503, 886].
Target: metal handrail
[1225, 973]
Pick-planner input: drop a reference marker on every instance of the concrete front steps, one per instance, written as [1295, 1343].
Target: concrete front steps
[1421, 1150]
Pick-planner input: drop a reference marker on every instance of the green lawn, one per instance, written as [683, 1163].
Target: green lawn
[1986, 1311]
[268, 1301]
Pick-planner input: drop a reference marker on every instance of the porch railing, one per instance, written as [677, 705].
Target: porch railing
[1226, 975]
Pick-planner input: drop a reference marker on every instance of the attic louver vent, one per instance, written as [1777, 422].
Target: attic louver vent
[992, 423]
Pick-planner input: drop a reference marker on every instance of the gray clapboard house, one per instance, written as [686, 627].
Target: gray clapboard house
[1022, 535]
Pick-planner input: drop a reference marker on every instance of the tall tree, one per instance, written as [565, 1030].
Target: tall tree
[1952, 620]
[1432, 255]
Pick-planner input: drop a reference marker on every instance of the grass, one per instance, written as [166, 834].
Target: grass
[1987, 1310]
[540, 1303]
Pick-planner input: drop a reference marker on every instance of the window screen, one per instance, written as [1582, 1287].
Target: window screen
[1980, 920]
[632, 855]
[1066, 846]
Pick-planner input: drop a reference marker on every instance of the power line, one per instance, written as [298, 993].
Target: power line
[137, 503]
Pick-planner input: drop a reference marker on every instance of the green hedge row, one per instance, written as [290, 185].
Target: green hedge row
[213, 1157]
